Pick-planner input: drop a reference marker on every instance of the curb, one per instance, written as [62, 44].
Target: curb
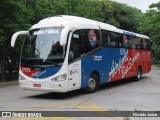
[9, 83]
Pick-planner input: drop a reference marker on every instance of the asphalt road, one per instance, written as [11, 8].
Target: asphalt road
[124, 95]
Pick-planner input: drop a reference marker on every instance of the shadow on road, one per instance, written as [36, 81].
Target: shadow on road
[59, 96]
[121, 82]
[75, 93]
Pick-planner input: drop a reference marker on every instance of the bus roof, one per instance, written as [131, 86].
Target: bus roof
[80, 23]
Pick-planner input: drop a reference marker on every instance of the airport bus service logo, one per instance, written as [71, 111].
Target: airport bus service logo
[123, 66]
[73, 72]
[96, 57]
[33, 73]
[38, 74]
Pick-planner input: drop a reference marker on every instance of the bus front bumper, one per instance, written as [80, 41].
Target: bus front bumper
[43, 86]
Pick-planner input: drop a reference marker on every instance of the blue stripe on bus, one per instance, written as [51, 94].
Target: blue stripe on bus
[47, 72]
[101, 61]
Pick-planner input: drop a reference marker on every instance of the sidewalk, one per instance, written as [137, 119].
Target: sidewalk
[9, 82]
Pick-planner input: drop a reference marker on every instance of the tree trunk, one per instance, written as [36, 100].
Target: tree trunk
[3, 63]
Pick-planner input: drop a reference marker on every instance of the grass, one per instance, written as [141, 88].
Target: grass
[158, 65]
[9, 82]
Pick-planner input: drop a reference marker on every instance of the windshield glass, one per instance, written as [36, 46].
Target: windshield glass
[42, 47]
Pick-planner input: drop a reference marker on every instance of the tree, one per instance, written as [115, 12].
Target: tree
[127, 16]
[150, 26]
[13, 14]
[21, 14]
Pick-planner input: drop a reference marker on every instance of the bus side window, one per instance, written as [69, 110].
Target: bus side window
[105, 38]
[145, 44]
[125, 41]
[120, 40]
[109, 39]
[132, 42]
[90, 39]
[138, 43]
[148, 44]
[82, 42]
[114, 39]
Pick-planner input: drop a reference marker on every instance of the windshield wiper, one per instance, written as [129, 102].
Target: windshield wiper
[51, 62]
[37, 63]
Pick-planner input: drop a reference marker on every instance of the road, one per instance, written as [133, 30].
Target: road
[125, 95]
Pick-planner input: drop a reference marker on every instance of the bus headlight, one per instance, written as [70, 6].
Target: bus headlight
[59, 78]
[21, 77]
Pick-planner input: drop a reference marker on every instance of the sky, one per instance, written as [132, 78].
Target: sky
[140, 4]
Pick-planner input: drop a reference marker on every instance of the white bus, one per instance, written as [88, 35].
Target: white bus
[65, 53]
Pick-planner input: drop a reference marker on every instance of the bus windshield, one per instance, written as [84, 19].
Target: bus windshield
[42, 47]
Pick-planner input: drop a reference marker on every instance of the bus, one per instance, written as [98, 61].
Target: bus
[65, 53]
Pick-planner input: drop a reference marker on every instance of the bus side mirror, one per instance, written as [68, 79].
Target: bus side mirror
[15, 35]
[64, 34]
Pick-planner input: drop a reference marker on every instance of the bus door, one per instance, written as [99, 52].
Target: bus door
[74, 67]
[74, 75]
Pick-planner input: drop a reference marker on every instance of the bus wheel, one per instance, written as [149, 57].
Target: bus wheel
[139, 74]
[93, 84]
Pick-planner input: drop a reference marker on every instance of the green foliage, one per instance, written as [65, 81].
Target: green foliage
[21, 14]
[126, 16]
[13, 14]
[150, 26]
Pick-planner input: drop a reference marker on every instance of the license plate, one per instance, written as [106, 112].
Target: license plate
[37, 85]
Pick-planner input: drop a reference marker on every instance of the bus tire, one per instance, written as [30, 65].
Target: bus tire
[139, 74]
[93, 84]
